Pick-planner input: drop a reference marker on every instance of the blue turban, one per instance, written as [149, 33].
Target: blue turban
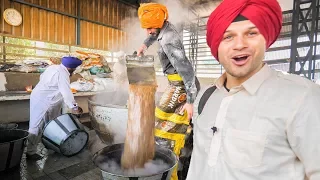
[71, 62]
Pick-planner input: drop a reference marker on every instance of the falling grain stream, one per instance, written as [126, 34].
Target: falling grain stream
[139, 144]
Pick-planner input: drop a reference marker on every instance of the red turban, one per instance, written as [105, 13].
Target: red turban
[266, 15]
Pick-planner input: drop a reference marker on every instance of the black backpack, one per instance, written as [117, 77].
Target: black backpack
[204, 98]
[185, 161]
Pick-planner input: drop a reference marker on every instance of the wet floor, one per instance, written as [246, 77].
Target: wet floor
[54, 166]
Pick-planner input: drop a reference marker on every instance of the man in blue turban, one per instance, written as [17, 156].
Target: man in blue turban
[71, 63]
[47, 98]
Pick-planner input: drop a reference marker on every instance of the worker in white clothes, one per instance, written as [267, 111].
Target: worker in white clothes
[47, 98]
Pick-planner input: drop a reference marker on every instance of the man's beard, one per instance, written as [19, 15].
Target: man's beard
[155, 33]
[71, 72]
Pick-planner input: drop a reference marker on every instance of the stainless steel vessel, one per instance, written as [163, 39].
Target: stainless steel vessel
[114, 152]
[65, 135]
[109, 115]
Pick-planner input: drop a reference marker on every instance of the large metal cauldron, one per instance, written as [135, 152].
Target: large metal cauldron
[65, 135]
[114, 152]
[109, 116]
[12, 144]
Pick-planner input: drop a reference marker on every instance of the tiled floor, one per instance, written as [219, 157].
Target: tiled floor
[55, 166]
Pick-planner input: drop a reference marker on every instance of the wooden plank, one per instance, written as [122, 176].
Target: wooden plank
[88, 9]
[120, 46]
[94, 10]
[82, 7]
[17, 30]
[72, 27]
[122, 14]
[109, 13]
[115, 15]
[36, 2]
[32, 47]
[120, 11]
[35, 23]
[91, 34]
[112, 39]
[118, 14]
[104, 12]
[43, 3]
[116, 40]
[100, 37]
[112, 13]
[43, 25]
[60, 6]
[124, 18]
[64, 30]
[66, 8]
[98, 10]
[87, 34]
[26, 24]
[104, 37]
[51, 26]
[96, 36]
[56, 4]
[23, 55]
[52, 4]
[7, 28]
[1, 15]
[28, 38]
[123, 40]
[108, 35]
[59, 28]
[83, 33]
[73, 5]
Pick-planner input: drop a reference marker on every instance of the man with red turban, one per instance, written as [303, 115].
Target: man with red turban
[254, 122]
[175, 108]
[46, 100]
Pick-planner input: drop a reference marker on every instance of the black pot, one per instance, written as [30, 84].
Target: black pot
[114, 153]
[12, 144]
[8, 126]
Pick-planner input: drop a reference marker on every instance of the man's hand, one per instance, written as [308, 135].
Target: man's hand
[141, 50]
[189, 108]
[77, 110]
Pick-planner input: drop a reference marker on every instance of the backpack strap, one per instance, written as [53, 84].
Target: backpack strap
[204, 98]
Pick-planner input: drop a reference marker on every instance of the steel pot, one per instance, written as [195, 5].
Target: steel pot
[114, 152]
[65, 135]
[109, 116]
[12, 144]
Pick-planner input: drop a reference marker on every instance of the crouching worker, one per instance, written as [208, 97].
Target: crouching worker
[47, 98]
